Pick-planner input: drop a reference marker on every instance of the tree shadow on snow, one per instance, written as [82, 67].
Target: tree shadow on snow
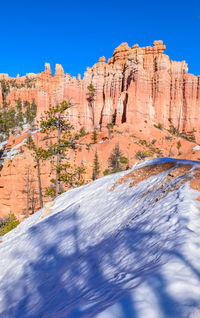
[66, 280]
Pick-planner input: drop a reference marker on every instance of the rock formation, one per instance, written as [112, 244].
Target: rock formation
[135, 84]
[136, 89]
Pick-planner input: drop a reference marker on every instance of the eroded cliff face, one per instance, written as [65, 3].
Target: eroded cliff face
[135, 89]
[135, 84]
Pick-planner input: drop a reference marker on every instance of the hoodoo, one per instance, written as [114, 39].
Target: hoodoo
[135, 84]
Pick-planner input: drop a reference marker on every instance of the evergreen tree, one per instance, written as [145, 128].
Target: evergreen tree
[96, 167]
[7, 224]
[12, 118]
[1, 155]
[114, 160]
[91, 97]
[109, 127]
[19, 114]
[30, 112]
[56, 124]
[94, 137]
[91, 93]
[38, 154]
[5, 89]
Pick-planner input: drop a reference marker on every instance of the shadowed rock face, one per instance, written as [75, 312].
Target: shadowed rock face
[135, 84]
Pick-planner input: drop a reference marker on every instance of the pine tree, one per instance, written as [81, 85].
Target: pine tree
[38, 154]
[8, 224]
[5, 89]
[91, 93]
[114, 160]
[19, 114]
[109, 127]
[94, 137]
[56, 124]
[96, 168]
[30, 112]
[91, 97]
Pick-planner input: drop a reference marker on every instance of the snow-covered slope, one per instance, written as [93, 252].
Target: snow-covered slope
[126, 245]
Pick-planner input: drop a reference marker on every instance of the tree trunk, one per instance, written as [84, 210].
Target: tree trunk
[58, 160]
[27, 193]
[39, 183]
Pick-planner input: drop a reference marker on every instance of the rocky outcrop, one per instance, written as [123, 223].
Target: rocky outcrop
[135, 84]
[135, 89]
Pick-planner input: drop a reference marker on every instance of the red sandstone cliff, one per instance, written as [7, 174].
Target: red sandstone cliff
[136, 88]
[135, 84]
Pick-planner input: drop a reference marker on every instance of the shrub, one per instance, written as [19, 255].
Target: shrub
[124, 160]
[143, 154]
[114, 161]
[94, 137]
[106, 172]
[169, 138]
[143, 142]
[178, 144]
[159, 126]
[8, 224]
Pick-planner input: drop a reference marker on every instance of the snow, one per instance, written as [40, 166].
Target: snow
[11, 153]
[196, 148]
[3, 144]
[107, 254]
[14, 151]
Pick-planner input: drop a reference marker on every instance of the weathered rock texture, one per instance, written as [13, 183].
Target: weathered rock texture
[136, 88]
[135, 84]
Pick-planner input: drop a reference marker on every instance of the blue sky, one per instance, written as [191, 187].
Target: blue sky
[76, 33]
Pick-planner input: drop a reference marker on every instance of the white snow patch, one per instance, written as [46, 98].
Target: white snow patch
[107, 254]
[196, 148]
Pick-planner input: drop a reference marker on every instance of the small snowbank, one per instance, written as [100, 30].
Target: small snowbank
[196, 148]
[101, 253]
[11, 153]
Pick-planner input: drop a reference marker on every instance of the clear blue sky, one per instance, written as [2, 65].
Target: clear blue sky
[76, 33]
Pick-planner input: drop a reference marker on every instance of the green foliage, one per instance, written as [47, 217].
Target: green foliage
[110, 128]
[56, 122]
[94, 137]
[96, 167]
[56, 118]
[143, 142]
[81, 133]
[88, 146]
[124, 160]
[7, 224]
[7, 121]
[110, 125]
[6, 85]
[91, 93]
[116, 161]
[50, 191]
[30, 112]
[37, 152]
[106, 172]
[12, 118]
[189, 136]
[173, 130]
[159, 126]
[19, 114]
[178, 144]
[143, 154]
[1, 155]
[5, 89]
